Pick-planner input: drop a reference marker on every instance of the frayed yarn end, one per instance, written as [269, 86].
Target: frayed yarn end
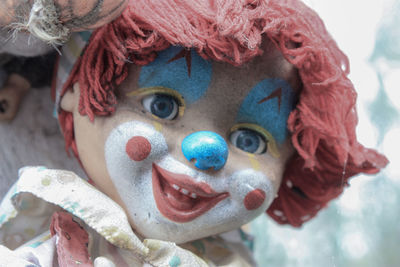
[44, 23]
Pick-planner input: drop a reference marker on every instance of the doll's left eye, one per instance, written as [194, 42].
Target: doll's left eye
[162, 106]
[249, 141]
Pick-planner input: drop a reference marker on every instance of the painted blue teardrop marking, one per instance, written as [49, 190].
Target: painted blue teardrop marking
[208, 149]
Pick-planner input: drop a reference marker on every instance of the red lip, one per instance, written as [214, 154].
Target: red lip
[177, 206]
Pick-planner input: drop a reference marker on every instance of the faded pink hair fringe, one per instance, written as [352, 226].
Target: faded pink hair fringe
[323, 123]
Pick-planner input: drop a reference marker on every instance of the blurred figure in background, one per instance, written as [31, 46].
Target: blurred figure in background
[29, 33]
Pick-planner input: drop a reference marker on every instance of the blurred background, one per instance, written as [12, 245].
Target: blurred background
[362, 227]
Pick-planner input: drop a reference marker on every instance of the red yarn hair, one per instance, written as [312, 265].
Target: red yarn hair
[323, 124]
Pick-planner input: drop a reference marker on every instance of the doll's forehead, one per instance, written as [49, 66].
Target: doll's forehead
[194, 78]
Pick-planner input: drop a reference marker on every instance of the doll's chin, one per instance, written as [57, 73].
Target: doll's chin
[182, 234]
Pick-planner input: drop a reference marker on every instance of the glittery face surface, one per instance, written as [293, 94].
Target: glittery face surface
[133, 180]
[192, 157]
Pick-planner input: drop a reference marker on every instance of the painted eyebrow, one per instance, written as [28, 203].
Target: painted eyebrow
[277, 93]
[171, 70]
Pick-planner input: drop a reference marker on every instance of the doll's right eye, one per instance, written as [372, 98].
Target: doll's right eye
[162, 102]
[163, 106]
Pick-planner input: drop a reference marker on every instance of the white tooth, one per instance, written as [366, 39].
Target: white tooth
[193, 195]
[184, 191]
[174, 186]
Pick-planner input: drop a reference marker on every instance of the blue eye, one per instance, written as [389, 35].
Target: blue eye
[161, 105]
[249, 141]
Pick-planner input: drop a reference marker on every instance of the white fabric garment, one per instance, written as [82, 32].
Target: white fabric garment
[25, 215]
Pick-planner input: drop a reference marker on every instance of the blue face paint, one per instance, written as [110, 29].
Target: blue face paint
[269, 104]
[171, 69]
[207, 148]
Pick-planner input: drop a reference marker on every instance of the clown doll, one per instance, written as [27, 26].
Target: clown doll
[26, 60]
[190, 118]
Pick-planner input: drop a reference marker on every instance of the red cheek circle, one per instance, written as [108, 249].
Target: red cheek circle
[254, 199]
[138, 148]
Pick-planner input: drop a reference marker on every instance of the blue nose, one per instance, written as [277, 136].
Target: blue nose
[208, 149]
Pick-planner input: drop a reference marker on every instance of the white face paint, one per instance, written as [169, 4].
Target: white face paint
[133, 180]
[136, 156]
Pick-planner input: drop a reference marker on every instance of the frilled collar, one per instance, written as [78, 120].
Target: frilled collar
[66, 190]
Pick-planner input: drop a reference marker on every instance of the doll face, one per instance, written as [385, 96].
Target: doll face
[194, 148]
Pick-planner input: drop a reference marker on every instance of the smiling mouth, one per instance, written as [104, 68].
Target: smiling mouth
[179, 198]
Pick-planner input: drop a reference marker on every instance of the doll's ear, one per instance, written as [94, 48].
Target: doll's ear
[70, 100]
